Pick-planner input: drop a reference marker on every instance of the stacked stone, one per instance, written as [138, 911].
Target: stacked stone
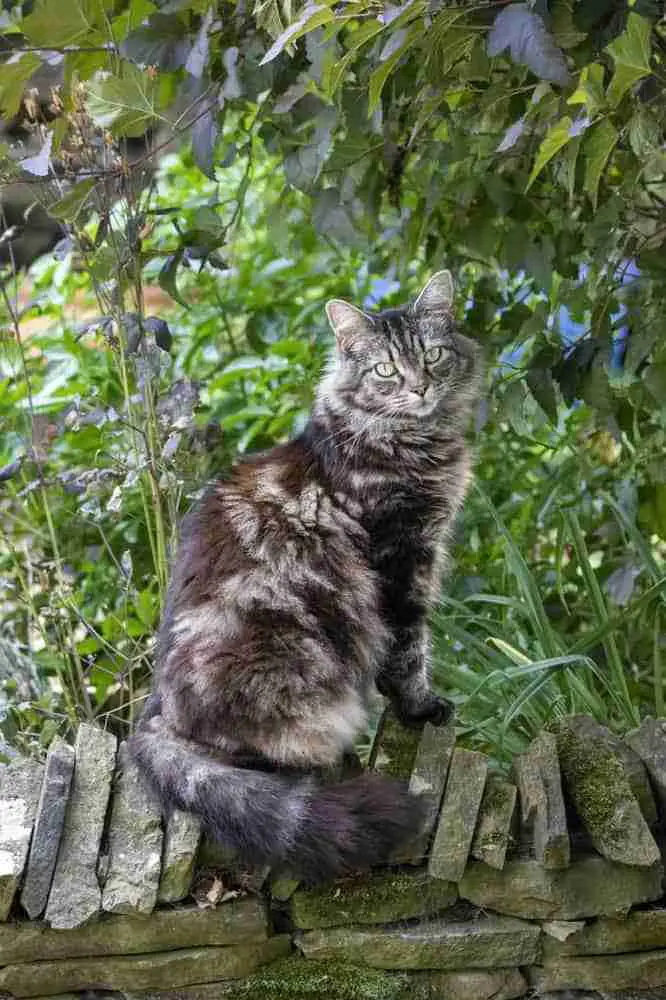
[511, 886]
[54, 819]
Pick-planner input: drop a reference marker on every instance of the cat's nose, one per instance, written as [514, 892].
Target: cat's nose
[420, 390]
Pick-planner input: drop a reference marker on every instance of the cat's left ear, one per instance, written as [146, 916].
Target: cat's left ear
[438, 294]
[348, 322]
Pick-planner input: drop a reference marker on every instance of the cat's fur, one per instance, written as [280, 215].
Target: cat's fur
[303, 580]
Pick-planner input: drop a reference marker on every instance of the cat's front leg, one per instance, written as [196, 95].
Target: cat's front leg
[405, 680]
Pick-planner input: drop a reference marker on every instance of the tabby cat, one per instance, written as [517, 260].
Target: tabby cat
[302, 581]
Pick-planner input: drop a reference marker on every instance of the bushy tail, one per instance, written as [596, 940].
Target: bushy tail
[319, 832]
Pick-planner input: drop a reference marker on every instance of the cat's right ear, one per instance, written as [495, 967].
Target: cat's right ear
[348, 322]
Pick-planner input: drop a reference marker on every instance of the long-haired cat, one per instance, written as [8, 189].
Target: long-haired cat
[304, 579]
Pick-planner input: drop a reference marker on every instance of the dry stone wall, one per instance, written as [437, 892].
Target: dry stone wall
[544, 883]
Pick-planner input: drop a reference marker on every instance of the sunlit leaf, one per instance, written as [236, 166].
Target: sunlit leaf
[556, 137]
[596, 150]
[631, 55]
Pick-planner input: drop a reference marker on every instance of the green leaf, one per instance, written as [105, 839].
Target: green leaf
[542, 387]
[590, 89]
[126, 104]
[76, 22]
[379, 77]
[312, 17]
[167, 277]
[69, 207]
[631, 54]
[597, 148]
[14, 76]
[556, 137]
[644, 133]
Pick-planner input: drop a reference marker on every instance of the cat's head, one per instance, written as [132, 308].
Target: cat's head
[407, 363]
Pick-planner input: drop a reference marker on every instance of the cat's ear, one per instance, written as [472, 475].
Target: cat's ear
[438, 294]
[348, 322]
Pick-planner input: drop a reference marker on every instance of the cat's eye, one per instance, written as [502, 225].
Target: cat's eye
[385, 369]
[434, 354]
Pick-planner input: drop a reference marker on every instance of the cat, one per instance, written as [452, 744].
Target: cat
[303, 580]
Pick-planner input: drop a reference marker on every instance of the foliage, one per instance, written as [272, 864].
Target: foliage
[343, 150]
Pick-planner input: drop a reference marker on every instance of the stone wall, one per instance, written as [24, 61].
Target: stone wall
[551, 881]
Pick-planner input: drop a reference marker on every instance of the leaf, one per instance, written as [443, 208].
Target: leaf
[590, 89]
[381, 74]
[597, 148]
[511, 136]
[160, 331]
[231, 88]
[127, 104]
[331, 218]
[14, 75]
[56, 23]
[541, 385]
[167, 277]
[621, 583]
[644, 133]
[631, 54]
[40, 164]
[312, 17]
[524, 33]
[556, 137]
[198, 57]
[162, 41]
[204, 138]
[69, 207]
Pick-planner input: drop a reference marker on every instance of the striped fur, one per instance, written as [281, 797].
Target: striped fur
[302, 582]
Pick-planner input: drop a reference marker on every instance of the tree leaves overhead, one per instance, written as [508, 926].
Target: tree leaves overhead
[524, 33]
[597, 149]
[127, 104]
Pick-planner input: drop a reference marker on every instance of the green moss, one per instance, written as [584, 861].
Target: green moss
[394, 749]
[382, 897]
[298, 979]
[594, 777]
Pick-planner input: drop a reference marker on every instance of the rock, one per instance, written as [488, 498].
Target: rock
[493, 828]
[135, 842]
[20, 785]
[181, 842]
[75, 895]
[240, 921]
[542, 810]
[394, 747]
[49, 823]
[283, 887]
[598, 786]
[457, 820]
[428, 778]
[649, 742]
[448, 943]
[637, 776]
[641, 930]
[20, 670]
[588, 888]
[163, 970]
[641, 971]
[296, 979]
[380, 898]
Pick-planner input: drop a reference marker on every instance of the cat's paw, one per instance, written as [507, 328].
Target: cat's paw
[435, 710]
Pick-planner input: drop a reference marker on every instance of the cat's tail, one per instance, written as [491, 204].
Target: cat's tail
[318, 831]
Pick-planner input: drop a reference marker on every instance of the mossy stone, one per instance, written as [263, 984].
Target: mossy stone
[394, 747]
[642, 930]
[380, 898]
[589, 887]
[599, 788]
[641, 971]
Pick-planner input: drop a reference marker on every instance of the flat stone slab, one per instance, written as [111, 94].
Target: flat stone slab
[239, 921]
[394, 747]
[641, 930]
[537, 773]
[590, 887]
[598, 785]
[485, 942]
[642, 971]
[649, 742]
[428, 779]
[49, 824]
[457, 819]
[296, 979]
[380, 898]
[493, 829]
[75, 896]
[135, 842]
[163, 970]
[20, 786]
[181, 843]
